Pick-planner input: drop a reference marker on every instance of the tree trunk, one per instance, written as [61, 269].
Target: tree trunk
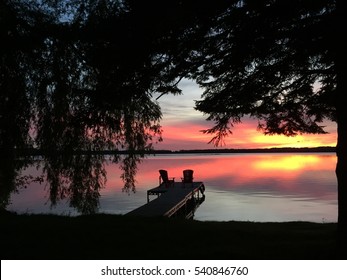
[341, 114]
[341, 168]
[341, 174]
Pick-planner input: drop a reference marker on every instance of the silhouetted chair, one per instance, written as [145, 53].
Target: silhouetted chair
[164, 179]
[187, 176]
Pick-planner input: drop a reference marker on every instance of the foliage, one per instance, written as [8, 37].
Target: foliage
[271, 60]
[73, 80]
[78, 77]
[281, 62]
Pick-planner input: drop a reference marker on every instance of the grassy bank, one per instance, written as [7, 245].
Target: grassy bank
[118, 237]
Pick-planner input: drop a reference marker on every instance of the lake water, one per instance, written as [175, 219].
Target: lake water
[243, 187]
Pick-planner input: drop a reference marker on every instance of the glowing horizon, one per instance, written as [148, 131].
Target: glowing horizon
[182, 128]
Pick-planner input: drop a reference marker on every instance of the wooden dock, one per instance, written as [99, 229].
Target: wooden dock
[178, 198]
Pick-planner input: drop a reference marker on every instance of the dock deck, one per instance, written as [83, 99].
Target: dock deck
[170, 200]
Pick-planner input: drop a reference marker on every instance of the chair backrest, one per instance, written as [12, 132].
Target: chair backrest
[188, 176]
[164, 175]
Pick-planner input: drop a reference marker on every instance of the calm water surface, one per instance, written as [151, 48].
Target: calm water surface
[243, 187]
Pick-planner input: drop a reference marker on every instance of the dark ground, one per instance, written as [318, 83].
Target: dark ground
[118, 237]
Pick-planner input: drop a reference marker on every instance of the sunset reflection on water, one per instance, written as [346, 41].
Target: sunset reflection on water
[252, 187]
[259, 187]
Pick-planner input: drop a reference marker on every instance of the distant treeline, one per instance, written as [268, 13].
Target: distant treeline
[325, 149]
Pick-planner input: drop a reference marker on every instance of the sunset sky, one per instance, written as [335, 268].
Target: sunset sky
[182, 127]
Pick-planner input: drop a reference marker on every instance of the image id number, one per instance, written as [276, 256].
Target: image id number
[229, 270]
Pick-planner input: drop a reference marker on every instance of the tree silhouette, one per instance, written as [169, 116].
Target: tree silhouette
[281, 63]
[72, 82]
[78, 77]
